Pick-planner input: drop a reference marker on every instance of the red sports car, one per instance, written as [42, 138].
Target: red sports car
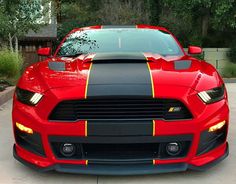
[120, 100]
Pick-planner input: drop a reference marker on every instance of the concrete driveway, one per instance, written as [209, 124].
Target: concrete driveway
[12, 171]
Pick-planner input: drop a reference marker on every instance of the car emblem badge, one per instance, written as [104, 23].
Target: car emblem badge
[174, 109]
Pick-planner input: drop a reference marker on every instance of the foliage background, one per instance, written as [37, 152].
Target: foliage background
[207, 23]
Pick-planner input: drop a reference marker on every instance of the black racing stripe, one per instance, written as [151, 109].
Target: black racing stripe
[120, 128]
[119, 79]
[119, 56]
[118, 26]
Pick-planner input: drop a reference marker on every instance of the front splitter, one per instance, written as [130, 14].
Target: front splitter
[127, 169]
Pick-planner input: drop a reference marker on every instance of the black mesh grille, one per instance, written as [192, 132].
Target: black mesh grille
[92, 109]
[121, 151]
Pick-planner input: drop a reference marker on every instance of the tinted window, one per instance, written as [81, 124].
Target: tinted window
[120, 40]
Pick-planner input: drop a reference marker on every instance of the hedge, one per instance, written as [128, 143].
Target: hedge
[10, 64]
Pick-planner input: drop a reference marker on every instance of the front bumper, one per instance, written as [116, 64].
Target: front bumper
[48, 160]
[122, 169]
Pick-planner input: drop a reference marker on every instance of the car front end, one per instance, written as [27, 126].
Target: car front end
[120, 114]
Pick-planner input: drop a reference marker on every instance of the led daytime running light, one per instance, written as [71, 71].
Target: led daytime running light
[35, 98]
[217, 126]
[24, 128]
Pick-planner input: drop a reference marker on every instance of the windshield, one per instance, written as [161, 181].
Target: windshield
[120, 40]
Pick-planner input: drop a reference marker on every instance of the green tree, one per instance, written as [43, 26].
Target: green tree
[76, 13]
[3, 23]
[220, 14]
[124, 12]
[79, 13]
[155, 11]
[20, 16]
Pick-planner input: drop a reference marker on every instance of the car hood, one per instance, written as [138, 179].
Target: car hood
[129, 69]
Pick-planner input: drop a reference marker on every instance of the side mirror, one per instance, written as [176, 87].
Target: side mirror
[46, 51]
[194, 50]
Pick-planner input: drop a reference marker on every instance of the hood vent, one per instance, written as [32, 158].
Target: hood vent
[57, 66]
[183, 64]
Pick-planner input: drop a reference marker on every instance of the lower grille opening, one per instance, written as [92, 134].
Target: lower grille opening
[120, 152]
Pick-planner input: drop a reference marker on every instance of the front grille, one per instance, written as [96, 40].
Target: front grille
[93, 109]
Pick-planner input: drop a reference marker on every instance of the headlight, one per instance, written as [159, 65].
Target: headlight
[212, 95]
[28, 97]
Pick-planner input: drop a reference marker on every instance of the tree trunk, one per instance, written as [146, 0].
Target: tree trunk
[16, 44]
[58, 10]
[10, 42]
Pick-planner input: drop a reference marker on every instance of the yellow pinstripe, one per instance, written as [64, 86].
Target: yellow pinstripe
[87, 81]
[153, 92]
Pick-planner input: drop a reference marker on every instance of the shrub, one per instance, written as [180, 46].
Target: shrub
[10, 64]
[232, 52]
[229, 71]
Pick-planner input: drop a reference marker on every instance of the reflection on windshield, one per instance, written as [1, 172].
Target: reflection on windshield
[120, 40]
[77, 43]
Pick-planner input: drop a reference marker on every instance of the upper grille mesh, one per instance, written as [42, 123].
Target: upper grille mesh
[92, 109]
